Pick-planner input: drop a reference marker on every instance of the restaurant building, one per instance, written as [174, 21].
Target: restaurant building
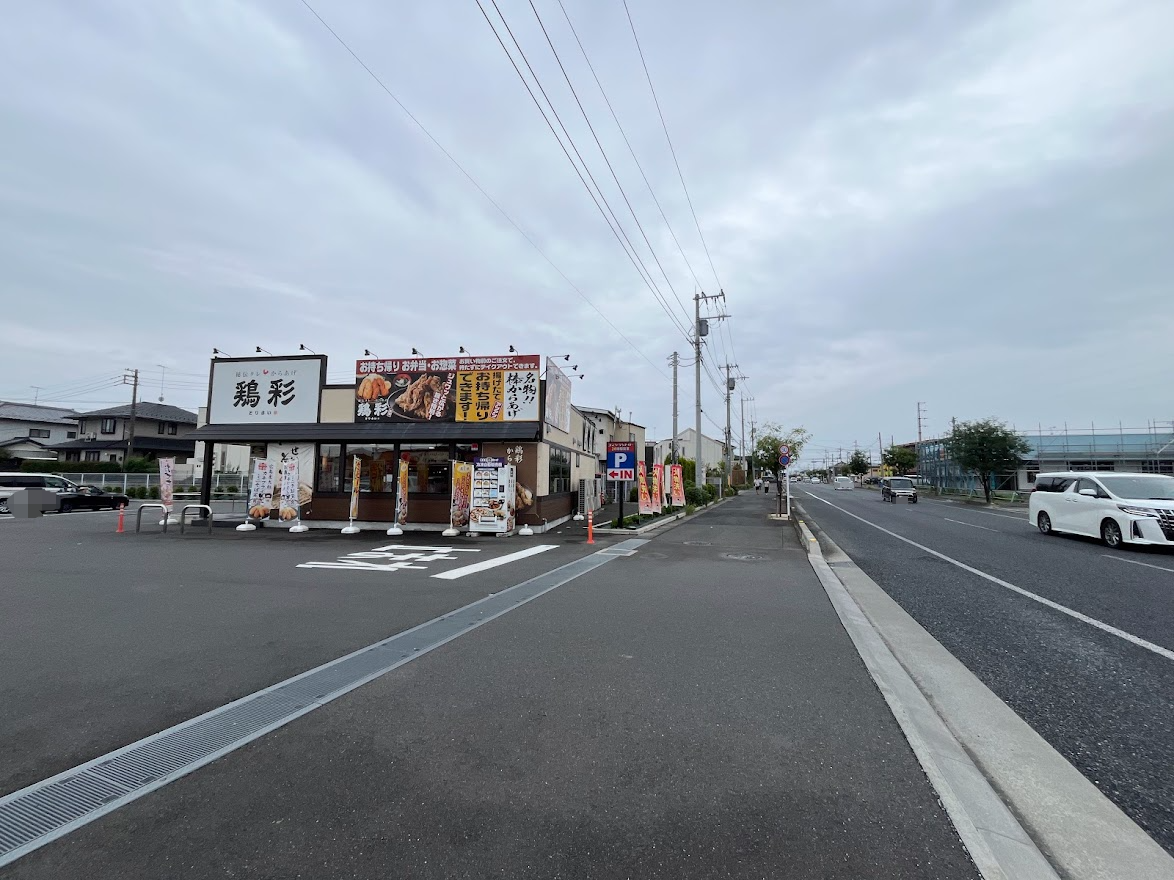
[430, 413]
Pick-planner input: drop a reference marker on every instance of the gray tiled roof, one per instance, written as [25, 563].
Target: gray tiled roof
[28, 412]
[160, 412]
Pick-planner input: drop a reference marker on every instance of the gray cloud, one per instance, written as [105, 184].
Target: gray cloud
[953, 202]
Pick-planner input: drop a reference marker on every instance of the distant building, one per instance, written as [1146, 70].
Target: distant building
[29, 431]
[160, 431]
[713, 452]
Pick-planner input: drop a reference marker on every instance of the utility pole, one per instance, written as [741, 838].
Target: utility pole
[676, 358]
[700, 329]
[753, 448]
[880, 448]
[742, 436]
[730, 383]
[133, 380]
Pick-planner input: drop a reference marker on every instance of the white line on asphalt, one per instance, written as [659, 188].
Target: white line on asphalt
[1135, 562]
[972, 525]
[455, 573]
[1084, 618]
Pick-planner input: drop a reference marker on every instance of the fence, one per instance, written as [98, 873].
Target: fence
[223, 485]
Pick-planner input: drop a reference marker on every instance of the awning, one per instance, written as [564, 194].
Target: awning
[370, 432]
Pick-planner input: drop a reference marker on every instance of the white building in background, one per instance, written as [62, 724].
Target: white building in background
[713, 452]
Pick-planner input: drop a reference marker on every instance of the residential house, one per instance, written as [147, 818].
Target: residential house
[713, 452]
[28, 432]
[160, 431]
[610, 426]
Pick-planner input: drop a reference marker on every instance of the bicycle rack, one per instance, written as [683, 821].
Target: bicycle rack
[139, 515]
[183, 515]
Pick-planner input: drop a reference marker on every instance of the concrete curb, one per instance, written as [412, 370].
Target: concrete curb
[662, 522]
[1008, 772]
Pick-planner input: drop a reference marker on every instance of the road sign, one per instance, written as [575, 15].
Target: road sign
[784, 459]
[621, 460]
[784, 449]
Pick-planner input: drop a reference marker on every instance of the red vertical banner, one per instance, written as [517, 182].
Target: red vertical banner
[642, 480]
[657, 488]
[677, 484]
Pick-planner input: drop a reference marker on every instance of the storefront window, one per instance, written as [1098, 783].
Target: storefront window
[376, 468]
[329, 467]
[429, 468]
[560, 470]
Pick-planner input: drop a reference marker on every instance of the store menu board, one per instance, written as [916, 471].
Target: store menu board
[492, 496]
[453, 389]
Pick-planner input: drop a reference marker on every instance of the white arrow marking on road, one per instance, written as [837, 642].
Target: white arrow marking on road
[972, 525]
[1084, 618]
[455, 573]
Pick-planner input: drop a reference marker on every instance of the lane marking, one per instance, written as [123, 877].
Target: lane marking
[453, 574]
[1135, 562]
[972, 525]
[1035, 597]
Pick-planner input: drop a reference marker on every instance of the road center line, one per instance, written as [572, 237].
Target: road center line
[1135, 562]
[1083, 618]
[454, 573]
[972, 525]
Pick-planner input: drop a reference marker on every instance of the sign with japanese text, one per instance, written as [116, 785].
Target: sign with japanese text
[265, 391]
[261, 489]
[657, 488]
[642, 482]
[401, 497]
[293, 460]
[677, 485]
[167, 481]
[492, 498]
[462, 489]
[621, 460]
[453, 389]
[558, 398]
[289, 506]
[355, 483]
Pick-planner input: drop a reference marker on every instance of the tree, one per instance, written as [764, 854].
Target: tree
[766, 450]
[901, 459]
[858, 464]
[986, 447]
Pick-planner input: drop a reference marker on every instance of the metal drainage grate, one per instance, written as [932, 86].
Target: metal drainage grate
[46, 810]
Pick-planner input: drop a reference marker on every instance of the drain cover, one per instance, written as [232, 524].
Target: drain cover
[742, 557]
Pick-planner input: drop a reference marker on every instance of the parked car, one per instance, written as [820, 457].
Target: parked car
[816, 480]
[15, 481]
[843, 483]
[1116, 506]
[893, 488]
[93, 498]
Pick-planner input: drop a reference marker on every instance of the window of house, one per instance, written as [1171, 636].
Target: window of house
[158, 427]
[329, 467]
[559, 470]
[73, 456]
[376, 468]
[113, 457]
[71, 435]
[429, 467]
[93, 455]
[172, 428]
[81, 425]
[39, 433]
[108, 426]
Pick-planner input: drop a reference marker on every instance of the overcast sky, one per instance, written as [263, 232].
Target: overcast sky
[969, 204]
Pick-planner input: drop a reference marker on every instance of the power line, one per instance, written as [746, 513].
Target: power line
[479, 188]
[603, 153]
[628, 248]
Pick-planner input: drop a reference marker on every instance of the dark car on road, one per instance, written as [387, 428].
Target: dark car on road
[893, 488]
[91, 498]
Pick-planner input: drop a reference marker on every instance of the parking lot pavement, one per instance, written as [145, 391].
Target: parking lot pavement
[694, 710]
[105, 638]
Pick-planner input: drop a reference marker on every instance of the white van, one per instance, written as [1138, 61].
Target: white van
[1115, 506]
[843, 483]
[14, 481]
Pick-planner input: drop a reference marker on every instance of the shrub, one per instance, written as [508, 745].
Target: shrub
[634, 493]
[696, 496]
[710, 490]
[689, 508]
[153, 492]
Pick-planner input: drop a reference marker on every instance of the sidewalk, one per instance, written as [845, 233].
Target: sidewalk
[693, 711]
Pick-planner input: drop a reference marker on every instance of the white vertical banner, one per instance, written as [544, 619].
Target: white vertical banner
[290, 507]
[261, 491]
[167, 482]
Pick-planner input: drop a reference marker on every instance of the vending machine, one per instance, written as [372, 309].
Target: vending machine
[492, 498]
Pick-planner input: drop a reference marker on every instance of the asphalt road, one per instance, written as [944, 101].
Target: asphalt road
[1106, 704]
[694, 710]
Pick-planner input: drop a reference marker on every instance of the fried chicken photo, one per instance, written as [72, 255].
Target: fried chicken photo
[417, 397]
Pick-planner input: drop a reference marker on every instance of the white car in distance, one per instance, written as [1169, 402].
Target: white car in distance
[1117, 507]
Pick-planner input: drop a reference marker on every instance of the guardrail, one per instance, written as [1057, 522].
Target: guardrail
[184, 512]
[139, 515]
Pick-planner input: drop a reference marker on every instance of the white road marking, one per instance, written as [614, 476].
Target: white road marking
[393, 557]
[1135, 562]
[972, 525]
[1083, 618]
[455, 573]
